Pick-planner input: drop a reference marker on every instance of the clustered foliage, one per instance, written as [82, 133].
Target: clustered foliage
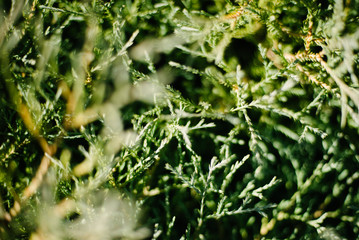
[179, 119]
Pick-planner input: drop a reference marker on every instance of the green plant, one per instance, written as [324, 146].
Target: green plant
[179, 119]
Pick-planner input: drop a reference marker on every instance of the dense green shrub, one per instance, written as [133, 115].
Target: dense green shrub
[179, 119]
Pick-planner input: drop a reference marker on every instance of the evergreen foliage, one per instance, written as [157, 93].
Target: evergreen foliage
[179, 119]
